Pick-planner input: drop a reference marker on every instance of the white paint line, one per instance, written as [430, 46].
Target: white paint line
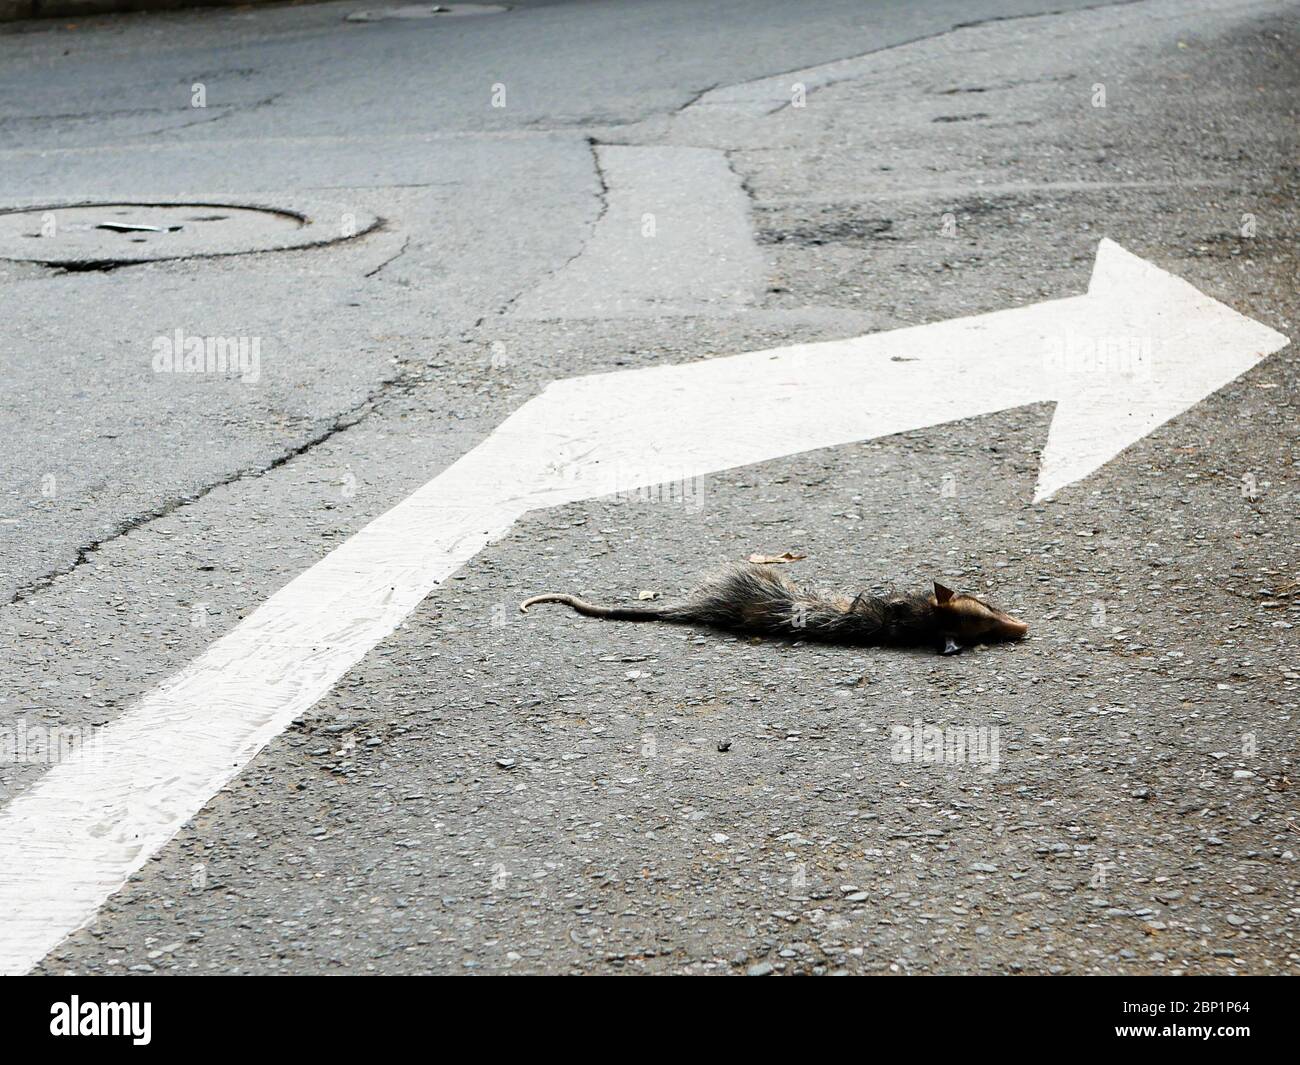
[674, 239]
[75, 836]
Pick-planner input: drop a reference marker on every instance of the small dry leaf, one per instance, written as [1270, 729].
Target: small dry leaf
[772, 560]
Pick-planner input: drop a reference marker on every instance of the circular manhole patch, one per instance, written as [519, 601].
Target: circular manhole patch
[87, 236]
[412, 11]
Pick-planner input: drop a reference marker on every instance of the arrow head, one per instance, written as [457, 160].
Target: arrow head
[1153, 347]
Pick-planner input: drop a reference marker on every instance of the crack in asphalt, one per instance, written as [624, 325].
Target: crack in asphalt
[399, 384]
[695, 98]
[77, 116]
[85, 266]
[971, 24]
[602, 179]
[602, 196]
[729, 154]
[226, 111]
[391, 259]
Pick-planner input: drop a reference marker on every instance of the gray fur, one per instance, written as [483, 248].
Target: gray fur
[760, 600]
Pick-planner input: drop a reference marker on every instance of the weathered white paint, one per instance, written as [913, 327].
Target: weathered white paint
[73, 838]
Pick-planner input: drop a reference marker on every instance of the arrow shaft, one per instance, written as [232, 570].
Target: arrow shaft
[610, 433]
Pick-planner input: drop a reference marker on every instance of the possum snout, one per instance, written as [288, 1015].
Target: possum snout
[1002, 626]
[1014, 629]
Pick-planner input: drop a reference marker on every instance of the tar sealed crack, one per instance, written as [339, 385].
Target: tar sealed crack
[103, 266]
[602, 199]
[397, 385]
[391, 259]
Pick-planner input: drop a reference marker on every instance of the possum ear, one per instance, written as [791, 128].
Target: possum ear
[942, 594]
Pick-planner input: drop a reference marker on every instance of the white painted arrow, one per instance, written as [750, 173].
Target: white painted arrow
[1141, 347]
[1138, 349]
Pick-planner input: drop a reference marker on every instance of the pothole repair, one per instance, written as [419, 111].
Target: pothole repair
[418, 11]
[91, 236]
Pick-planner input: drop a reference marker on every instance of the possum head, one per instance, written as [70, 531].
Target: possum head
[969, 620]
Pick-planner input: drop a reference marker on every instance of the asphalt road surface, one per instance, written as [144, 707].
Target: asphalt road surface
[483, 205]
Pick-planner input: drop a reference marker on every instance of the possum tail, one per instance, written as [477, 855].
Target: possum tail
[591, 610]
